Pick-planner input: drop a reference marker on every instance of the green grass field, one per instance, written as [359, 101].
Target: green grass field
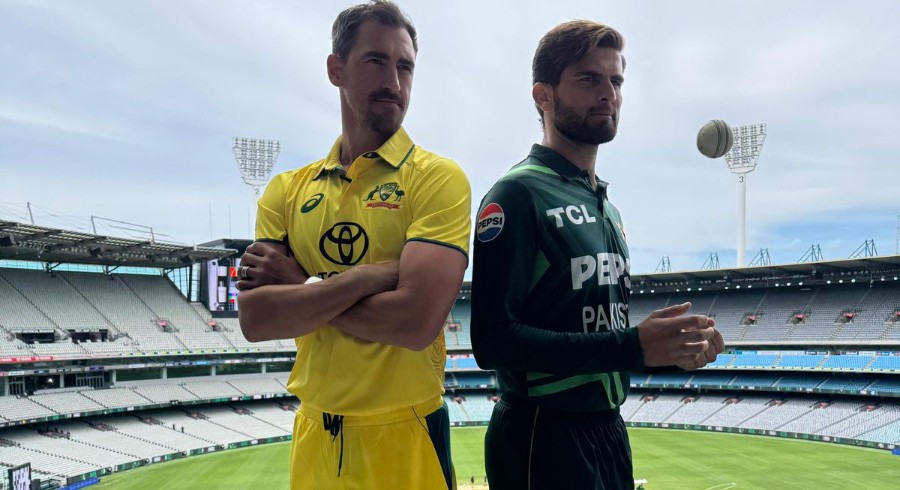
[668, 459]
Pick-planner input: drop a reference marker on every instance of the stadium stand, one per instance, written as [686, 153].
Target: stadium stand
[116, 398]
[800, 361]
[695, 410]
[805, 375]
[61, 303]
[773, 309]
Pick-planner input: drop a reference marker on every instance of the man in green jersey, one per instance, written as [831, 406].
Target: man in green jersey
[551, 286]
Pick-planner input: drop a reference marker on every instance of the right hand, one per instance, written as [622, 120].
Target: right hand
[270, 264]
[669, 337]
[378, 277]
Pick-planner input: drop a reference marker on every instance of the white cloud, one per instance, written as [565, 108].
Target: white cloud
[126, 109]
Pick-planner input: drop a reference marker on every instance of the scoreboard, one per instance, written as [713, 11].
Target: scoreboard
[20, 477]
[221, 280]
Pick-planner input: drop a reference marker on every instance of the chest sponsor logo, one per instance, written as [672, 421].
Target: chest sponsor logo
[385, 196]
[312, 202]
[490, 222]
[605, 268]
[345, 243]
[574, 214]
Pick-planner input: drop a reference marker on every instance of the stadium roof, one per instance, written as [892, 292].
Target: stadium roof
[20, 241]
[828, 267]
[867, 268]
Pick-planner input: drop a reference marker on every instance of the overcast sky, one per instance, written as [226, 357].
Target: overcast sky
[126, 110]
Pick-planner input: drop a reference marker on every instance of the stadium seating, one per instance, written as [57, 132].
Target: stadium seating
[67, 402]
[131, 308]
[116, 398]
[695, 410]
[800, 361]
[466, 363]
[21, 408]
[867, 419]
[773, 309]
[847, 362]
[845, 384]
[754, 360]
[145, 427]
[821, 417]
[884, 387]
[670, 378]
[657, 410]
[733, 414]
[797, 381]
[886, 363]
[479, 407]
[778, 413]
[245, 422]
[58, 300]
[455, 410]
[257, 385]
[712, 378]
[17, 312]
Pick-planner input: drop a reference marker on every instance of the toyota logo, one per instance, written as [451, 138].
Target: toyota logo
[345, 243]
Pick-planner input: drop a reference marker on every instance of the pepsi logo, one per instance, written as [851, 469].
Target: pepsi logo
[490, 222]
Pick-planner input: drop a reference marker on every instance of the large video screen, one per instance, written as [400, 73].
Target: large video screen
[221, 278]
[20, 477]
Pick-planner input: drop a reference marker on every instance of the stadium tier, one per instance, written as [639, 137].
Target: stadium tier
[102, 372]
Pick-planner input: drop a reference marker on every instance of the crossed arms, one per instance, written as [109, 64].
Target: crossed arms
[401, 303]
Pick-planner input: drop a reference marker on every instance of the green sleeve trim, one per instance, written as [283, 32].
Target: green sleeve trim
[271, 240]
[443, 244]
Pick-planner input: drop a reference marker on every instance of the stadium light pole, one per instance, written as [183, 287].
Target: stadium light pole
[741, 160]
[255, 159]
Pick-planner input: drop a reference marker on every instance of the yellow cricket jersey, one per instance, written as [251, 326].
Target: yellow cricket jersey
[334, 220]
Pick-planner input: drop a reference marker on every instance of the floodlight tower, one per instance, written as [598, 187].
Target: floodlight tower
[255, 159]
[741, 160]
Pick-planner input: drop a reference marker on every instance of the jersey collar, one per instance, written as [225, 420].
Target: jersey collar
[395, 152]
[559, 164]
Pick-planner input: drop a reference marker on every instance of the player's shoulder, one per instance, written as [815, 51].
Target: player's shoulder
[511, 189]
[527, 175]
[299, 174]
[426, 161]
[611, 210]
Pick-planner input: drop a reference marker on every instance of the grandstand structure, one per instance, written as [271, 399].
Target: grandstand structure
[812, 352]
[111, 356]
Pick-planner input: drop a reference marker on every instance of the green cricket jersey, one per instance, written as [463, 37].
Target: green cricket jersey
[551, 286]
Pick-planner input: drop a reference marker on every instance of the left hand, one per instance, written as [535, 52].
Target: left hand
[716, 346]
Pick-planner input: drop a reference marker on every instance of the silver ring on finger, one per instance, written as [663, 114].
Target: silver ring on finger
[242, 272]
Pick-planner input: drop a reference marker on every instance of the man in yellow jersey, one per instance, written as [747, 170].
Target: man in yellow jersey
[359, 258]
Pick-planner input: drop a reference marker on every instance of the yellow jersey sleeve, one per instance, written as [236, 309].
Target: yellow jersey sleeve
[271, 223]
[441, 206]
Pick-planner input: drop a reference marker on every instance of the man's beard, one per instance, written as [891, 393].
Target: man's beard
[384, 123]
[578, 128]
[381, 123]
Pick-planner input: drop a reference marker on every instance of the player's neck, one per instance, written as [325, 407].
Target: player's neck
[581, 155]
[357, 140]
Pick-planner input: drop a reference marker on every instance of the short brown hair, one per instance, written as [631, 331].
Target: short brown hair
[566, 44]
[346, 26]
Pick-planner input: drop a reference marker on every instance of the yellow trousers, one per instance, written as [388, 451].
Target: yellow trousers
[406, 449]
